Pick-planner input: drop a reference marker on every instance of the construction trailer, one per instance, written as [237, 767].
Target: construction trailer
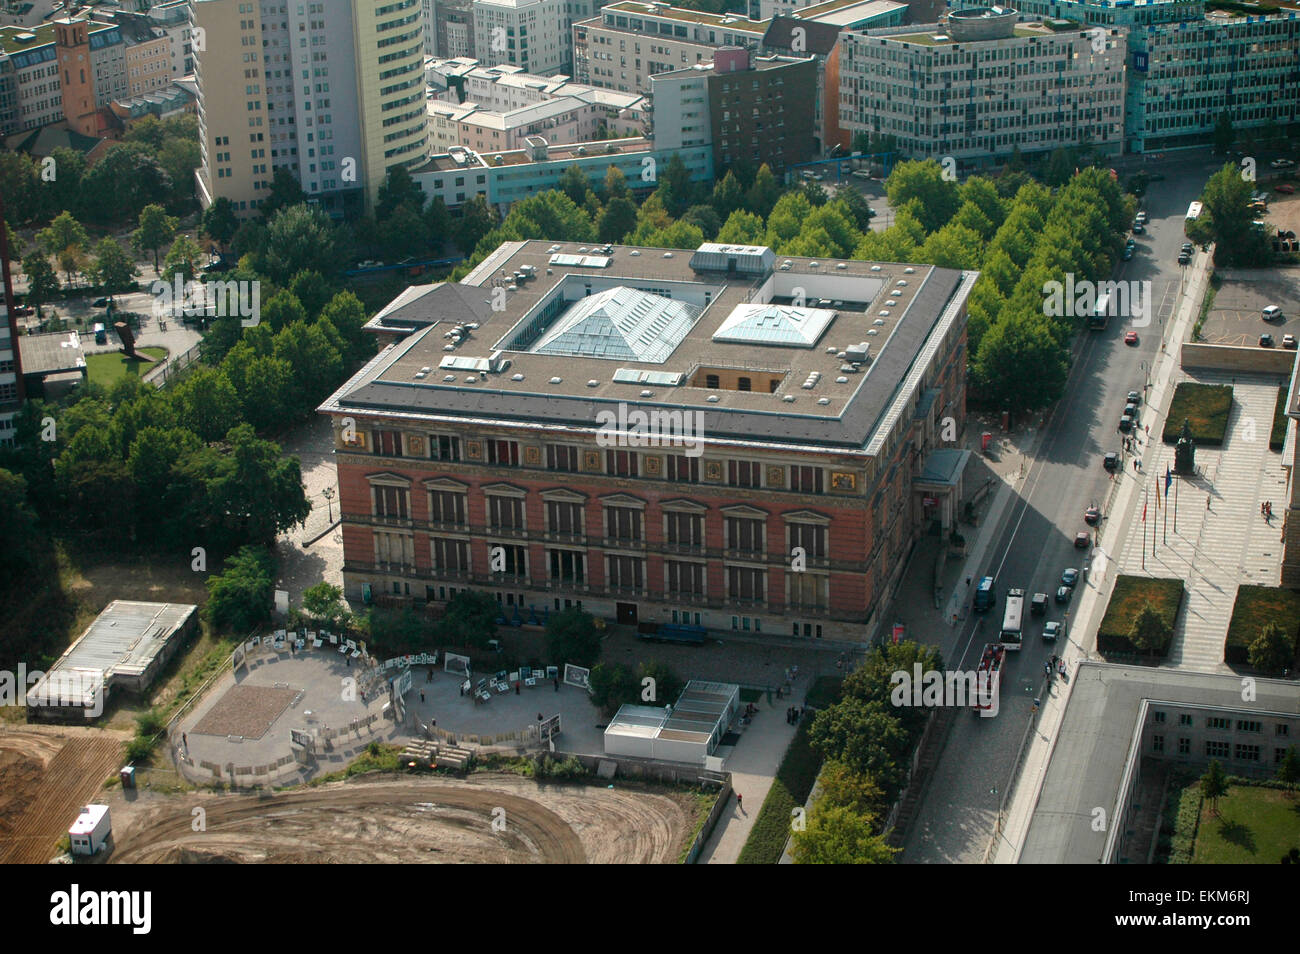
[91, 829]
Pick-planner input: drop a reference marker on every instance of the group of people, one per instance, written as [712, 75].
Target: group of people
[793, 714]
[1055, 665]
[1266, 509]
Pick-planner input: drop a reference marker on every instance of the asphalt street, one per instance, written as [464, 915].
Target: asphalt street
[1035, 540]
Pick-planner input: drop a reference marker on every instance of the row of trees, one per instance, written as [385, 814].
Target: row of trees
[867, 743]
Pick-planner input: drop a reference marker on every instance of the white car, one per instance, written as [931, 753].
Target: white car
[861, 174]
[1141, 218]
[1281, 164]
[1272, 313]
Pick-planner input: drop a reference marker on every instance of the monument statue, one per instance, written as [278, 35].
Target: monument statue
[1185, 451]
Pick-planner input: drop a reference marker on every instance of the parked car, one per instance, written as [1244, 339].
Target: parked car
[1188, 247]
[1063, 593]
[1130, 337]
[1266, 341]
[1272, 313]
[1134, 397]
[99, 303]
[1053, 630]
[1111, 461]
[860, 174]
[1082, 540]
[1132, 411]
[871, 212]
[1139, 228]
[1092, 516]
[1038, 605]
[1127, 254]
[1288, 341]
[1184, 258]
[1126, 424]
[1281, 164]
[1142, 218]
[1069, 576]
[1285, 188]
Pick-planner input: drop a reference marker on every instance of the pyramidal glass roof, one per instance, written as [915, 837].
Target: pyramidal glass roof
[622, 323]
[785, 325]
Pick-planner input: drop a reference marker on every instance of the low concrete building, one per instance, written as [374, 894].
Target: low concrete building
[124, 649]
[53, 364]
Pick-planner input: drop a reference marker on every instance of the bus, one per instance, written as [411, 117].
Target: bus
[1012, 619]
[1100, 314]
[1193, 212]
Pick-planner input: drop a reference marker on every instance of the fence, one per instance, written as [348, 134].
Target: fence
[170, 369]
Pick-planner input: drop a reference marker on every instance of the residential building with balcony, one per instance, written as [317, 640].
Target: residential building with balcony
[722, 437]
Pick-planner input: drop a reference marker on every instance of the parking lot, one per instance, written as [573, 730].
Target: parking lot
[1237, 315]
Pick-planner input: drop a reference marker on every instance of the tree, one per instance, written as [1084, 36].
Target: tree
[18, 526]
[348, 316]
[401, 234]
[206, 403]
[617, 219]
[113, 270]
[313, 290]
[300, 238]
[742, 228]
[675, 187]
[437, 223]
[64, 236]
[571, 637]
[182, 259]
[1288, 770]
[122, 182]
[923, 181]
[1149, 632]
[1223, 132]
[840, 836]
[324, 601]
[1226, 202]
[764, 192]
[470, 619]
[285, 193]
[398, 189]
[841, 787]
[477, 219]
[616, 184]
[21, 186]
[575, 184]
[1214, 785]
[815, 193]
[680, 234]
[1014, 342]
[220, 222]
[612, 684]
[42, 282]
[867, 737]
[157, 228]
[705, 219]
[282, 310]
[727, 195]
[240, 596]
[1272, 650]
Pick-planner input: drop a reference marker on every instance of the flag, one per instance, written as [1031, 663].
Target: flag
[1169, 479]
[1144, 511]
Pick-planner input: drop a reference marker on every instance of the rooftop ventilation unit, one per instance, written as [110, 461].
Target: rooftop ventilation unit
[516, 377]
[788, 399]
[712, 399]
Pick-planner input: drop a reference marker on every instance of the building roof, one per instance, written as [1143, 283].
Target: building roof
[898, 309]
[732, 21]
[846, 13]
[122, 641]
[42, 141]
[621, 323]
[698, 716]
[422, 305]
[789, 325]
[1095, 742]
[52, 353]
[818, 38]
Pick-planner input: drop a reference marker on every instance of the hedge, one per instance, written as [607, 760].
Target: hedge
[790, 790]
[1255, 607]
[1205, 407]
[1277, 436]
[1130, 595]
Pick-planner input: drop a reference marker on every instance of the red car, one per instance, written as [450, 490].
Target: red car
[1286, 188]
[1130, 337]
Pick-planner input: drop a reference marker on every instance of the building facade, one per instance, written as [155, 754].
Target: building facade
[782, 498]
[454, 28]
[530, 34]
[11, 371]
[1011, 85]
[504, 178]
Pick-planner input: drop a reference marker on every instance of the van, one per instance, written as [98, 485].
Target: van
[985, 595]
[101, 333]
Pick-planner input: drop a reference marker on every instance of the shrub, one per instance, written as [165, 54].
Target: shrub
[1132, 594]
[1205, 407]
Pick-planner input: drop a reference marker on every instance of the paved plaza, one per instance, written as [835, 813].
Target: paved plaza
[1214, 549]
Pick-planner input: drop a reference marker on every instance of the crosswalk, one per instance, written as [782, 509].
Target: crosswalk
[1214, 549]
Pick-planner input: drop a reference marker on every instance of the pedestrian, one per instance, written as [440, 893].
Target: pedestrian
[778, 692]
[348, 660]
[1148, 429]
[557, 683]
[740, 800]
[185, 742]
[421, 695]
[517, 687]
[539, 717]
[967, 583]
[1207, 501]
[461, 687]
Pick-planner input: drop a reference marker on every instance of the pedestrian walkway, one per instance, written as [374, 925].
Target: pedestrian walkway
[1213, 549]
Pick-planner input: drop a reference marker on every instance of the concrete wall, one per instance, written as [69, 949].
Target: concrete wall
[1232, 358]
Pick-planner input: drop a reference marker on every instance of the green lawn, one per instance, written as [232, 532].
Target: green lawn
[1277, 436]
[107, 367]
[1255, 826]
[1130, 595]
[1255, 606]
[790, 789]
[1205, 406]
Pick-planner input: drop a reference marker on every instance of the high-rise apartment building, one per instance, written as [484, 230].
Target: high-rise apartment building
[332, 91]
[530, 34]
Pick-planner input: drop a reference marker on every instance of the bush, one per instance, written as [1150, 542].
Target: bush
[571, 637]
[241, 595]
[1205, 407]
[1255, 608]
[1132, 594]
[790, 789]
[139, 749]
[1272, 651]
[149, 723]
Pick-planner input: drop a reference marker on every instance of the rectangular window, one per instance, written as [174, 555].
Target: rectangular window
[1248, 753]
[685, 529]
[806, 480]
[744, 534]
[745, 583]
[623, 524]
[561, 457]
[1184, 719]
[1157, 743]
[1215, 722]
[1159, 718]
[683, 469]
[449, 556]
[391, 502]
[444, 447]
[809, 536]
[567, 566]
[1184, 746]
[1217, 750]
[387, 443]
[684, 579]
[509, 559]
[625, 573]
[744, 473]
[505, 513]
[503, 453]
[447, 507]
[1248, 725]
[621, 463]
[563, 517]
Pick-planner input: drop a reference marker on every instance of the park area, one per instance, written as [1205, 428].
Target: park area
[1251, 825]
[1206, 408]
[1127, 600]
[108, 367]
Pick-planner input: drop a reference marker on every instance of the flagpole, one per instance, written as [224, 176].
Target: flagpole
[1175, 507]
[1166, 540]
[1144, 529]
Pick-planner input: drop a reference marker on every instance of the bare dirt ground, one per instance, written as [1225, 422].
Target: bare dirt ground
[434, 821]
[46, 775]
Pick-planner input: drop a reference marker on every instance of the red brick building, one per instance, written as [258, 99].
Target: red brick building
[720, 438]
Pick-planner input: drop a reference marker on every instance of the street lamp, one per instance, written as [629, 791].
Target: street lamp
[329, 502]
